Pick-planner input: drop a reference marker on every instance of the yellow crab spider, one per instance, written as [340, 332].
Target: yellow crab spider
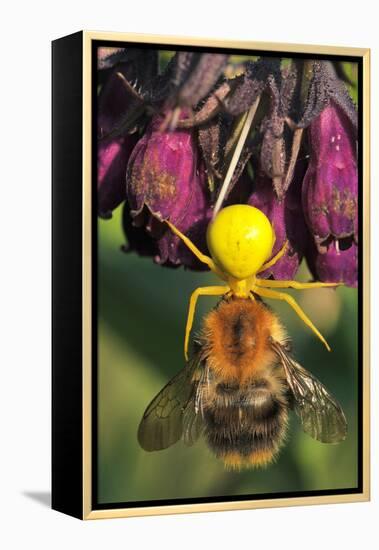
[241, 239]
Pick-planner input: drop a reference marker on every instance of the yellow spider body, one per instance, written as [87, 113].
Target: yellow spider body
[240, 240]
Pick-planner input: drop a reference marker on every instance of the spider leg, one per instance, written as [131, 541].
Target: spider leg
[199, 255]
[266, 293]
[275, 258]
[293, 284]
[201, 291]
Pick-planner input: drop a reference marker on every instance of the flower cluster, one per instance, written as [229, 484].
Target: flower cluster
[166, 137]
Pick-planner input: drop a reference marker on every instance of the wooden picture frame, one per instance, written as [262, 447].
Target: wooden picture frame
[76, 468]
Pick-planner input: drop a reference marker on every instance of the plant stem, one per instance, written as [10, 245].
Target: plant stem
[236, 156]
[296, 142]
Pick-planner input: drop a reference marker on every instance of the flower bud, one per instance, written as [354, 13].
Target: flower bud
[166, 179]
[112, 152]
[113, 101]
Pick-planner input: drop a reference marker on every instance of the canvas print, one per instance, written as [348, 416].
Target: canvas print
[227, 259]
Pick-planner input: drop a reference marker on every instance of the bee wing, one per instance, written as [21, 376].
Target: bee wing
[193, 424]
[321, 416]
[171, 414]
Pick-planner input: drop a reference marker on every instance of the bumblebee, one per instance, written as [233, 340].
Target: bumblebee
[239, 385]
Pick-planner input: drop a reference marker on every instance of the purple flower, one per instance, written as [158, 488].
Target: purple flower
[330, 197]
[112, 159]
[138, 240]
[288, 221]
[112, 152]
[166, 181]
[338, 264]
[113, 101]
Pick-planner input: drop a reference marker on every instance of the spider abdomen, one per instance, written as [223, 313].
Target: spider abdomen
[240, 240]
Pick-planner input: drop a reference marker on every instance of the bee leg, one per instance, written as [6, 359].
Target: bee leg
[273, 260]
[201, 291]
[199, 255]
[267, 293]
[294, 284]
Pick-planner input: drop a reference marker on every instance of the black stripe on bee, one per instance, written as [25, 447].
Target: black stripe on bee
[236, 429]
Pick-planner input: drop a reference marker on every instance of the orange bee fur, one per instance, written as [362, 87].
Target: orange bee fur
[258, 459]
[243, 397]
[237, 336]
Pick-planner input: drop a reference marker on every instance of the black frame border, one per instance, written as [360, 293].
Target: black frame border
[67, 259]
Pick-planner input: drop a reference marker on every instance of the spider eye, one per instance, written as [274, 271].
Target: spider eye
[240, 240]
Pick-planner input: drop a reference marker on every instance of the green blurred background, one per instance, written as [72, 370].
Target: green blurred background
[142, 310]
[142, 313]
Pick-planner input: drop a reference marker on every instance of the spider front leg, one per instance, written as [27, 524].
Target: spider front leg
[268, 293]
[267, 283]
[201, 291]
[199, 255]
[276, 258]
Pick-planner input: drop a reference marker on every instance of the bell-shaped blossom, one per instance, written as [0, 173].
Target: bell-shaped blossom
[166, 181]
[338, 263]
[330, 196]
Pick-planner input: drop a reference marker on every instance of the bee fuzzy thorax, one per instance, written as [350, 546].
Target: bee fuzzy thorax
[237, 337]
